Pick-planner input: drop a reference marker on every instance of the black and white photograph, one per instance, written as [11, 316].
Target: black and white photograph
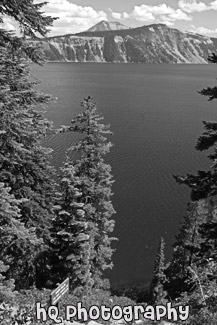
[108, 162]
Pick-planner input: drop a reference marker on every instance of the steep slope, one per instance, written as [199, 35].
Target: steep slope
[105, 26]
[148, 44]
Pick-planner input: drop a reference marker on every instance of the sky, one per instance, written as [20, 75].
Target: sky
[79, 15]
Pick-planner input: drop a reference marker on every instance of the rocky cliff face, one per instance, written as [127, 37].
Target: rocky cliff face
[148, 44]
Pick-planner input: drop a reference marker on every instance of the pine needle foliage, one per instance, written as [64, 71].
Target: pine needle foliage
[17, 243]
[157, 291]
[83, 223]
[24, 163]
[6, 286]
[31, 23]
[195, 258]
[186, 249]
[210, 92]
[25, 170]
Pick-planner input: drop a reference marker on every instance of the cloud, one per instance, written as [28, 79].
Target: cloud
[160, 13]
[72, 18]
[203, 30]
[193, 6]
[125, 15]
[213, 5]
[146, 12]
[9, 24]
[116, 15]
[119, 15]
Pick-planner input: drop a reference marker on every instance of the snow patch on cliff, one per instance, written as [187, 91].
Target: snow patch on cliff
[151, 29]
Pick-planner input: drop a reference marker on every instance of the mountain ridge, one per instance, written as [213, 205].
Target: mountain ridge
[156, 43]
[104, 25]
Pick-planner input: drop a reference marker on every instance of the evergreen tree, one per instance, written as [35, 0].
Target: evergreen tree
[24, 163]
[70, 243]
[83, 223]
[210, 92]
[157, 290]
[194, 252]
[31, 22]
[186, 249]
[202, 296]
[6, 286]
[25, 166]
[17, 244]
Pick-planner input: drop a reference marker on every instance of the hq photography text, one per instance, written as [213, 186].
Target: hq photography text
[129, 313]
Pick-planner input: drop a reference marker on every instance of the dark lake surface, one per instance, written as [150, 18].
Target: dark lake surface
[156, 116]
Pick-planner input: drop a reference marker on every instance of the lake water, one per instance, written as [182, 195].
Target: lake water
[156, 116]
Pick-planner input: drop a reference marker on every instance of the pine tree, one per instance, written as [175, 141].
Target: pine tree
[17, 244]
[31, 22]
[192, 272]
[25, 166]
[210, 92]
[24, 163]
[6, 286]
[70, 243]
[186, 249]
[157, 290]
[83, 223]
